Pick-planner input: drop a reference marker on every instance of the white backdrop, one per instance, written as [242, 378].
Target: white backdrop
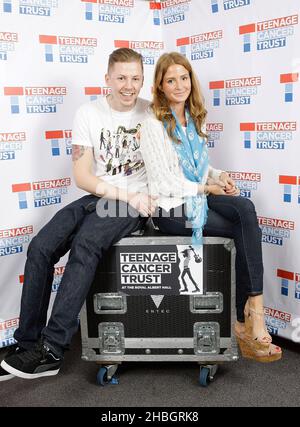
[53, 57]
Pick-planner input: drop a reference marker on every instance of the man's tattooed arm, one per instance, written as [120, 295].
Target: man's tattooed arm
[78, 151]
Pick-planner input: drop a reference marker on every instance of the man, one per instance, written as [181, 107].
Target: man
[120, 178]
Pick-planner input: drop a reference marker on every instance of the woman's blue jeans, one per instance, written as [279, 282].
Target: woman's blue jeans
[78, 228]
[234, 217]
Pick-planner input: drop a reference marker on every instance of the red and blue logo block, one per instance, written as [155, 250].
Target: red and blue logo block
[289, 182]
[56, 137]
[288, 80]
[155, 7]
[7, 7]
[96, 91]
[21, 190]
[286, 278]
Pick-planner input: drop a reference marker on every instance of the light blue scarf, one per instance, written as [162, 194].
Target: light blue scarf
[193, 157]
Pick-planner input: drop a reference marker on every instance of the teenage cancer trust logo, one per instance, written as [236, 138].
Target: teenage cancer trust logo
[30, 7]
[10, 143]
[60, 141]
[290, 283]
[270, 34]
[238, 91]
[291, 185]
[288, 80]
[37, 99]
[94, 92]
[247, 182]
[13, 240]
[150, 50]
[45, 193]
[201, 46]
[274, 230]
[214, 132]
[7, 44]
[228, 4]
[268, 135]
[68, 49]
[110, 11]
[169, 11]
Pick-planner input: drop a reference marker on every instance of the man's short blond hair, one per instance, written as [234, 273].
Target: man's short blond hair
[124, 54]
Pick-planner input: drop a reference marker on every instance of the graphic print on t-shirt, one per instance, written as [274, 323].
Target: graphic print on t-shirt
[120, 150]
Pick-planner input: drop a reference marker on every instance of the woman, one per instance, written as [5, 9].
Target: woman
[190, 191]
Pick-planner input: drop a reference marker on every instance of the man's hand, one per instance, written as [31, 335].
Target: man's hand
[143, 203]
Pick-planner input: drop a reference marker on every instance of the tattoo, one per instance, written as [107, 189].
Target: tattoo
[78, 151]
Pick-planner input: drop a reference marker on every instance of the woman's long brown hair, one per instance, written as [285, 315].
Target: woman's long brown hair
[194, 103]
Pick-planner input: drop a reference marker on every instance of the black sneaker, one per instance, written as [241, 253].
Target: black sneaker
[35, 363]
[14, 349]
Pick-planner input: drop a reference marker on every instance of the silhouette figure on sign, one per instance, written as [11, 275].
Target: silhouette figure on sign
[187, 271]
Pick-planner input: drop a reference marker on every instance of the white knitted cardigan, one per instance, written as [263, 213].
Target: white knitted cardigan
[165, 176]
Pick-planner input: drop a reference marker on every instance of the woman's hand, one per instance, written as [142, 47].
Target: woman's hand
[215, 189]
[228, 185]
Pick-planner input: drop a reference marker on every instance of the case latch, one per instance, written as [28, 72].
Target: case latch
[111, 336]
[206, 338]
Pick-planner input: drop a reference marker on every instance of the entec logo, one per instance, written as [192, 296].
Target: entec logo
[270, 34]
[12, 240]
[110, 11]
[289, 183]
[94, 92]
[58, 138]
[68, 49]
[31, 7]
[289, 279]
[10, 143]
[7, 329]
[7, 44]
[150, 50]
[44, 193]
[37, 99]
[237, 91]
[288, 80]
[201, 46]
[268, 135]
[214, 133]
[247, 182]
[169, 11]
[228, 4]
[275, 230]
[276, 319]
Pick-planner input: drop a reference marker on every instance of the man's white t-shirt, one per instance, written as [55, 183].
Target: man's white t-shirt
[115, 139]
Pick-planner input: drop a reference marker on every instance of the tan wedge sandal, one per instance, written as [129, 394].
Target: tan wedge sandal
[257, 348]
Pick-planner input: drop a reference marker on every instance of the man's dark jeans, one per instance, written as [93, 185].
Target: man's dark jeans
[78, 228]
[234, 217]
